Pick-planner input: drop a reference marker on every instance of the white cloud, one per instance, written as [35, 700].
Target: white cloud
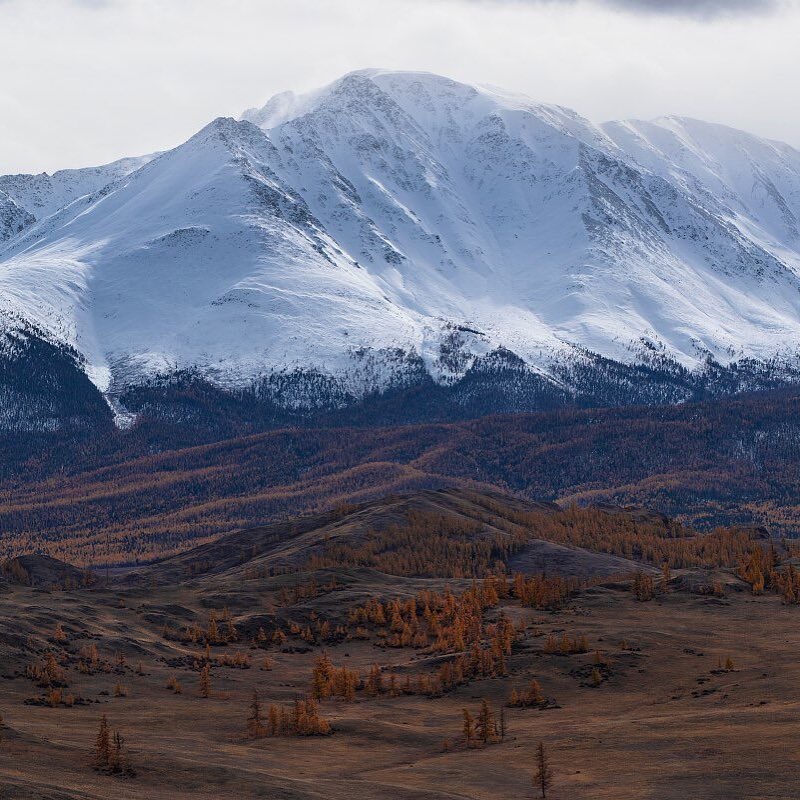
[708, 9]
[87, 81]
[697, 9]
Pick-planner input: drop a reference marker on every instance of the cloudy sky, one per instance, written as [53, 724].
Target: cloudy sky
[88, 81]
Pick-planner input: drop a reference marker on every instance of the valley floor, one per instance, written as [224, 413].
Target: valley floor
[666, 721]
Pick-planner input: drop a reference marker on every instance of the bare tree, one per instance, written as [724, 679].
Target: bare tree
[543, 778]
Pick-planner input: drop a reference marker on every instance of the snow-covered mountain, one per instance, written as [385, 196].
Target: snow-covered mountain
[394, 226]
[39, 196]
[13, 217]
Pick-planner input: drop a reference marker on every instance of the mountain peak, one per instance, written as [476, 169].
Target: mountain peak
[396, 227]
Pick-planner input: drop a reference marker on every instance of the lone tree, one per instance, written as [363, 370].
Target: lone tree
[543, 778]
[102, 745]
[485, 727]
[205, 682]
[255, 722]
[118, 763]
[110, 755]
[468, 728]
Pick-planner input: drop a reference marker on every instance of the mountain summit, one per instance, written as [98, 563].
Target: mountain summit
[398, 228]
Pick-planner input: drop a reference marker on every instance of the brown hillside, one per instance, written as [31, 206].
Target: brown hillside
[485, 520]
[726, 462]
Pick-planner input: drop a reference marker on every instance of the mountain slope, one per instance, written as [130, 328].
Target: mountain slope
[42, 195]
[528, 223]
[731, 461]
[201, 258]
[13, 218]
[755, 182]
[394, 229]
[464, 517]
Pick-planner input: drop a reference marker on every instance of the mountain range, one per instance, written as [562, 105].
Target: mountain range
[402, 235]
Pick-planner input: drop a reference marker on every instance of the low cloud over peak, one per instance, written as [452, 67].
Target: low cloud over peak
[698, 9]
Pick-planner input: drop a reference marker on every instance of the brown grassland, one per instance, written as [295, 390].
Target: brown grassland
[419, 646]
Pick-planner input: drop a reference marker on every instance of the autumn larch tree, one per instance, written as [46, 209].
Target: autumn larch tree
[543, 777]
[468, 728]
[729, 666]
[322, 678]
[485, 727]
[119, 763]
[205, 682]
[255, 724]
[274, 718]
[102, 745]
[212, 634]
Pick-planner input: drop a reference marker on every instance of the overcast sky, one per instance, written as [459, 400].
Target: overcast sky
[88, 81]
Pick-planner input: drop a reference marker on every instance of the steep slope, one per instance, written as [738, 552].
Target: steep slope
[43, 386]
[43, 378]
[754, 182]
[529, 224]
[201, 259]
[401, 229]
[42, 195]
[13, 218]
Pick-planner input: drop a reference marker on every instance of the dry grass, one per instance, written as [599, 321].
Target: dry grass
[664, 722]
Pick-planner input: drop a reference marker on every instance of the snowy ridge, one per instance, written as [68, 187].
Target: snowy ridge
[13, 218]
[393, 225]
[42, 195]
